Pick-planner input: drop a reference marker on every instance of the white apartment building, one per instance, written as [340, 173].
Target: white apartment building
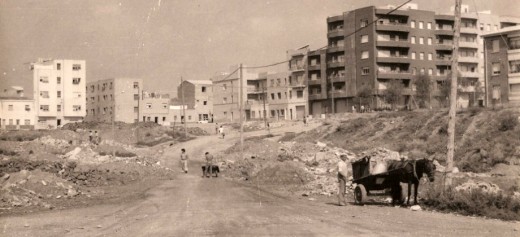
[17, 113]
[59, 92]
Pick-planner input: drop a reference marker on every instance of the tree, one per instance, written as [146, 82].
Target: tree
[393, 92]
[423, 88]
[364, 93]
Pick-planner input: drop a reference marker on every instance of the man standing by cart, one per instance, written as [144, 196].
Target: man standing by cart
[342, 179]
[209, 165]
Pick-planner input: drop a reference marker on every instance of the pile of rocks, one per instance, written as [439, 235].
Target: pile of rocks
[479, 185]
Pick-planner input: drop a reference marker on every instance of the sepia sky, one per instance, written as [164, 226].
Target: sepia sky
[162, 40]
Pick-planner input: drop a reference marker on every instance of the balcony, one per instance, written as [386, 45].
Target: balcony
[470, 74]
[383, 11]
[297, 85]
[394, 59]
[317, 97]
[394, 74]
[514, 78]
[444, 46]
[314, 67]
[444, 31]
[443, 61]
[333, 64]
[335, 33]
[335, 18]
[338, 93]
[404, 91]
[469, 30]
[393, 27]
[252, 103]
[337, 79]
[296, 68]
[466, 44]
[444, 17]
[336, 48]
[393, 43]
[255, 90]
[468, 60]
[314, 82]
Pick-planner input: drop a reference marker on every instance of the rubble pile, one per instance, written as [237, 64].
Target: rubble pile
[485, 187]
[51, 142]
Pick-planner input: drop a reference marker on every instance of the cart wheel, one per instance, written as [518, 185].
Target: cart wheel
[360, 194]
[403, 193]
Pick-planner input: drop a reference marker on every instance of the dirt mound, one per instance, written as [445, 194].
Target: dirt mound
[283, 173]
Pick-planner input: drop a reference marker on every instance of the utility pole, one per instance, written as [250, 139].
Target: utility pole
[265, 113]
[114, 130]
[453, 96]
[183, 109]
[240, 100]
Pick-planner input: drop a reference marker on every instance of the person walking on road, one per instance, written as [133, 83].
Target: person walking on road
[305, 120]
[90, 136]
[209, 165]
[221, 131]
[342, 179]
[216, 128]
[184, 160]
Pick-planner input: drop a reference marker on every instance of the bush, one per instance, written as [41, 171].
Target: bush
[508, 121]
[476, 202]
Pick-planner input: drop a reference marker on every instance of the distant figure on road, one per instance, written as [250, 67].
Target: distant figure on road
[362, 108]
[305, 120]
[90, 136]
[97, 139]
[216, 128]
[184, 160]
[353, 109]
[209, 165]
[342, 179]
[221, 131]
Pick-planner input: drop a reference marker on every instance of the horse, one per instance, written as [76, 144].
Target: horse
[410, 171]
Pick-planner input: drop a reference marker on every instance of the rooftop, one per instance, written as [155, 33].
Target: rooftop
[503, 31]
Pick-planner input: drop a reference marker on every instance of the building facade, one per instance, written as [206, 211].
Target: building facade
[502, 57]
[155, 107]
[17, 113]
[116, 99]
[198, 96]
[59, 92]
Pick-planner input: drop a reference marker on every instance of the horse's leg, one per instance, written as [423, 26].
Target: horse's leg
[416, 188]
[409, 193]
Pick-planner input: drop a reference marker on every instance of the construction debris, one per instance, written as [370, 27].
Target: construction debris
[478, 186]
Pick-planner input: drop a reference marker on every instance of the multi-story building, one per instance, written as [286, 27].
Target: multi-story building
[502, 57]
[296, 93]
[257, 105]
[198, 96]
[155, 107]
[115, 99]
[226, 94]
[59, 92]
[17, 113]
[370, 49]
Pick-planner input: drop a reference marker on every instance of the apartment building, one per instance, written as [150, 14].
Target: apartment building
[396, 48]
[59, 92]
[502, 57]
[17, 113]
[296, 93]
[257, 105]
[115, 99]
[155, 107]
[198, 96]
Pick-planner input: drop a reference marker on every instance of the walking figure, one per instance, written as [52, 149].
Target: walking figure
[304, 120]
[221, 131]
[184, 160]
[216, 128]
[209, 165]
[342, 180]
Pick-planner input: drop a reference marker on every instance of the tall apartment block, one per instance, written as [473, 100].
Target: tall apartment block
[59, 92]
[369, 49]
[502, 57]
[116, 99]
[297, 91]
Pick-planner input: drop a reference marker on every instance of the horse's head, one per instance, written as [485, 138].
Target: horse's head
[429, 169]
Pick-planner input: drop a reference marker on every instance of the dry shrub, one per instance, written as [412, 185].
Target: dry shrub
[508, 121]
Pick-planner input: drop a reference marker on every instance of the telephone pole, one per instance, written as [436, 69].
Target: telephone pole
[265, 113]
[453, 96]
[183, 110]
[241, 106]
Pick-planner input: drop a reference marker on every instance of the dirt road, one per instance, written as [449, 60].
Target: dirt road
[191, 205]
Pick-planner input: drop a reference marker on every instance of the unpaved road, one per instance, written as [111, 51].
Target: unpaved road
[191, 205]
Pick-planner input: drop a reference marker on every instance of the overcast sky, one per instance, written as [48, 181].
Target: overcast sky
[162, 40]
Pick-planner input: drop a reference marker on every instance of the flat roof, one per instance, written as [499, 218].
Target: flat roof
[199, 82]
[503, 31]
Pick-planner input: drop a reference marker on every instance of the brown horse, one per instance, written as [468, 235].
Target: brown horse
[410, 171]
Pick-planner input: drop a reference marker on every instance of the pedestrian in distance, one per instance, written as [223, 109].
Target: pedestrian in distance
[216, 128]
[96, 139]
[184, 160]
[342, 179]
[304, 120]
[221, 131]
[90, 136]
[209, 165]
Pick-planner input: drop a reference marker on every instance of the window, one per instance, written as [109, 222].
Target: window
[27, 122]
[58, 108]
[203, 89]
[290, 94]
[58, 94]
[421, 24]
[44, 107]
[421, 40]
[412, 24]
[136, 85]
[422, 71]
[429, 26]
[189, 117]
[495, 46]
[76, 67]
[10, 108]
[76, 80]
[44, 94]
[496, 92]
[76, 108]
[272, 96]
[364, 39]
[164, 105]
[413, 55]
[58, 80]
[18, 122]
[44, 79]
[224, 87]
[414, 71]
[224, 100]
[488, 27]
[482, 26]
[364, 55]
[430, 71]
[27, 108]
[496, 27]
[58, 66]
[110, 86]
[496, 68]
[430, 56]
[279, 95]
[430, 41]
[413, 39]
[148, 105]
[299, 94]
[136, 96]
[365, 71]
[204, 102]
[364, 23]
[421, 56]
